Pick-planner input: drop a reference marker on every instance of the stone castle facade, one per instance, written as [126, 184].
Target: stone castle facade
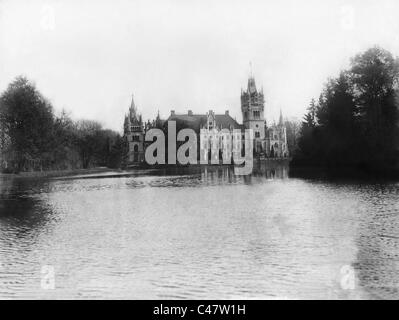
[269, 141]
[134, 136]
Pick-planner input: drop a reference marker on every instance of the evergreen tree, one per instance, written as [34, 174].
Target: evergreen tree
[355, 122]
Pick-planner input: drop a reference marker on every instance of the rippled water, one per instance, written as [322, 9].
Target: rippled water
[202, 235]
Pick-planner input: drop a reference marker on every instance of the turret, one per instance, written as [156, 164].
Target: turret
[252, 108]
[127, 124]
[134, 134]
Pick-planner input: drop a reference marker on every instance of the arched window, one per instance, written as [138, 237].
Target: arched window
[136, 148]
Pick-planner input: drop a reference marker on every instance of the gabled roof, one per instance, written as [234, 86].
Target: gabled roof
[226, 121]
[196, 121]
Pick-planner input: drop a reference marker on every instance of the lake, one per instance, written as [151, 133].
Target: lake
[205, 234]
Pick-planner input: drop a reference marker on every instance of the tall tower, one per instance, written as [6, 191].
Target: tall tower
[134, 135]
[252, 108]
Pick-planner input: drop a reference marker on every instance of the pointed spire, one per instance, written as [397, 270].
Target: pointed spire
[132, 105]
[251, 80]
[281, 122]
[251, 85]
[132, 109]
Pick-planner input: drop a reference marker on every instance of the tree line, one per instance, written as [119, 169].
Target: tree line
[33, 137]
[354, 122]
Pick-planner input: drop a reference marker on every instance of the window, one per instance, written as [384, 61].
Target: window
[135, 138]
[135, 128]
[256, 114]
[257, 134]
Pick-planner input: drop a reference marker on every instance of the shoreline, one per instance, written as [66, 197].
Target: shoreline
[295, 171]
[56, 173]
[345, 172]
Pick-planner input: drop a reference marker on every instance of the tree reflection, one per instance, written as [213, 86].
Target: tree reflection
[23, 213]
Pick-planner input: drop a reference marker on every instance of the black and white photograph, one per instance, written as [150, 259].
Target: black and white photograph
[225, 150]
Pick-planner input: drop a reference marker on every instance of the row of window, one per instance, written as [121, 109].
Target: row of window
[256, 114]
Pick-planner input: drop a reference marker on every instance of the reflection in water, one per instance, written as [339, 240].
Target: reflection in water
[20, 209]
[198, 233]
[378, 241]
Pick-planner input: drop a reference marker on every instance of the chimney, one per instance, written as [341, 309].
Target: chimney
[172, 112]
[226, 112]
[190, 112]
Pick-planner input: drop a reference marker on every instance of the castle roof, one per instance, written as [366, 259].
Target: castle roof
[196, 121]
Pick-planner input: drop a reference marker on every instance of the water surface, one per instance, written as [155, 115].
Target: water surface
[201, 235]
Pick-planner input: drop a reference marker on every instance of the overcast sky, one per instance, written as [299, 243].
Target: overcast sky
[90, 56]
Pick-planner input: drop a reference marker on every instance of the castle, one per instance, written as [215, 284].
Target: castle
[269, 141]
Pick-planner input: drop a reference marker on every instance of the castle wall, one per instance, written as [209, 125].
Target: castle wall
[272, 141]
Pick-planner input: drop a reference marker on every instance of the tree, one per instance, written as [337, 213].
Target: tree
[27, 117]
[312, 112]
[355, 122]
[307, 151]
[65, 143]
[375, 75]
[116, 153]
[33, 138]
[293, 131]
[89, 141]
[336, 118]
